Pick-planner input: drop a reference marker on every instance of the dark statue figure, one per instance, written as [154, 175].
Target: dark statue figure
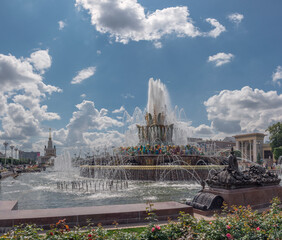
[232, 161]
[232, 178]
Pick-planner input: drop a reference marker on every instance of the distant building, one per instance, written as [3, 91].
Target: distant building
[252, 146]
[212, 147]
[29, 155]
[49, 151]
[193, 140]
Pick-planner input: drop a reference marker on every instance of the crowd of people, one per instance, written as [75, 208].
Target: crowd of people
[160, 149]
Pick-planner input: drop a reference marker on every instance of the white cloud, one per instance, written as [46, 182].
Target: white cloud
[236, 18]
[102, 139]
[277, 76]
[21, 91]
[88, 118]
[126, 20]
[127, 95]
[158, 45]
[245, 110]
[62, 24]
[98, 52]
[122, 109]
[217, 30]
[83, 95]
[83, 74]
[203, 130]
[221, 58]
[41, 60]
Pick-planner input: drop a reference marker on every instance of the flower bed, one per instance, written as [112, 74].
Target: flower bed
[239, 223]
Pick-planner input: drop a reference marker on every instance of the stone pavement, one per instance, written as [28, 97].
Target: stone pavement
[106, 215]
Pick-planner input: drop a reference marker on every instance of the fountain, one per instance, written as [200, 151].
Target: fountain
[157, 130]
[155, 158]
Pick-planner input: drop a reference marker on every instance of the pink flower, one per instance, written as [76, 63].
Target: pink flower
[258, 228]
[153, 229]
[158, 227]
[228, 235]
[210, 222]
[228, 227]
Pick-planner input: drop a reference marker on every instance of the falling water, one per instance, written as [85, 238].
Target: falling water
[158, 102]
[63, 164]
[158, 99]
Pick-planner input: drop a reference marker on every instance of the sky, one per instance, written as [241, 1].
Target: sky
[81, 68]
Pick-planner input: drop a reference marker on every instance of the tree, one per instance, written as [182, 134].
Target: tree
[259, 161]
[275, 137]
[277, 152]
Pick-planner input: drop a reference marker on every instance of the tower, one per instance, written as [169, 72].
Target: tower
[50, 151]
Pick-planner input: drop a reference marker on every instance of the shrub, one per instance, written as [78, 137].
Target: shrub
[238, 223]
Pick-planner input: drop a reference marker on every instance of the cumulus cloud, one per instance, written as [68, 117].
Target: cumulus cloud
[236, 18]
[218, 28]
[101, 139]
[277, 75]
[245, 110]
[203, 129]
[21, 91]
[221, 58]
[19, 74]
[86, 119]
[62, 24]
[41, 60]
[83, 74]
[126, 20]
[120, 110]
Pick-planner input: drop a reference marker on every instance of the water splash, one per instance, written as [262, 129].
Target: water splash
[158, 102]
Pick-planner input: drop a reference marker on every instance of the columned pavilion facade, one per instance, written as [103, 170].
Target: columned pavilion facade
[250, 145]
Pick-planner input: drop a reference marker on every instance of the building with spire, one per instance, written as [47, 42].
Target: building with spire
[49, 151]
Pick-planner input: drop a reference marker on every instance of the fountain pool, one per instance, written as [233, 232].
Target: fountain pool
[39, 191]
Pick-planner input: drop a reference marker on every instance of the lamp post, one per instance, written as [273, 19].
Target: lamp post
[16, 153]
[5, 145]
[12, 148]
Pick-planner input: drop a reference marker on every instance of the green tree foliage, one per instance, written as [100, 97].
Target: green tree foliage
[259, 160]
[277, 152]
[275, 137]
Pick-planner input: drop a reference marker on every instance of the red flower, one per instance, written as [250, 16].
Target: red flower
[210, 222]
[158, 227]
[228, 227]
[51, 233]
[89, 235]
[228, 235]
[153, 229]
[258, 228]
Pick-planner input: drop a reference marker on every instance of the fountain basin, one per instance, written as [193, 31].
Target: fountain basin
[149, 172]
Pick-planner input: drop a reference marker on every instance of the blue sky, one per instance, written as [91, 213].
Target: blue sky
[220, 61]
